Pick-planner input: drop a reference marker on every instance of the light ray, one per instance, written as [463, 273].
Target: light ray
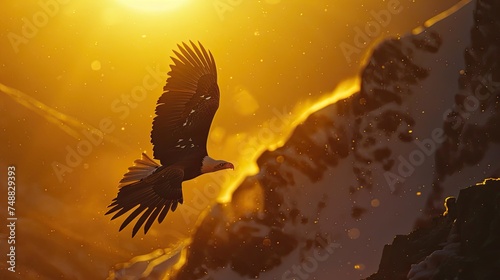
[66, 123]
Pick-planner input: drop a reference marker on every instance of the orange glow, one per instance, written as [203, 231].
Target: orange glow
[359, 266]
[375, 202]
[353, 233]
[440, 16]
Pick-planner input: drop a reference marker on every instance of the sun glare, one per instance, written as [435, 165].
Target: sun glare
[153, 5]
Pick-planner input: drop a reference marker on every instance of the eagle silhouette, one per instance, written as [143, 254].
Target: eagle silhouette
[184, 113]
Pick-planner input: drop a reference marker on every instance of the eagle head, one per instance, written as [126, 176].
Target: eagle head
[209, 164]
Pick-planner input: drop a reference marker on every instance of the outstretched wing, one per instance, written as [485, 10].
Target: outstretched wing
[187, 107]
[155, 195]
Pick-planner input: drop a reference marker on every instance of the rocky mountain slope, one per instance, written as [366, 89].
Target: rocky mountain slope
[463, 243]
[364, 169]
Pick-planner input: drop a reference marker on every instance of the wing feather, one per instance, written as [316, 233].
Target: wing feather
[152, 218]
[209, 59]
[187, 106]
[151, 197]
[203, 60]
[197, 67]
[164, 212]
[132, 216]
[142, 219]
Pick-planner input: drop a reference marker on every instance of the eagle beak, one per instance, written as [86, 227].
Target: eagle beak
[230, 165]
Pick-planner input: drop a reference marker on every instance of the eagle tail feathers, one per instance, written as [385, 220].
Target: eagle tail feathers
[141, 169]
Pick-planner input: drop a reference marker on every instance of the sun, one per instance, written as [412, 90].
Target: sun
[153, 5]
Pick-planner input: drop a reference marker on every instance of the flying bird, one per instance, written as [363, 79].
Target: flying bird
[184, 113]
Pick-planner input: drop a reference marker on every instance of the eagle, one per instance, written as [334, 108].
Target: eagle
[184, 113]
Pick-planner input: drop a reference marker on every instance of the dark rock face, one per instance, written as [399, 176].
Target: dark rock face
[229, 248]
[463, 243]
[467, 140]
